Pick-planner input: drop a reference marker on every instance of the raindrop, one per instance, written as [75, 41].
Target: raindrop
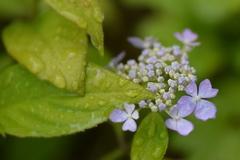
[87, 105]
[97, 14]
[102, 103]
[163, 134]
[151, 131]
[58, 80]
[35, 65]
[108, 84]
[75, 85]
[138, 140]
[132, 93]
[157, 152]
[26, 84]
[91, 97]
[122, 82]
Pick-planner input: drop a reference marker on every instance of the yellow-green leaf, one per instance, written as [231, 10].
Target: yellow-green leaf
[32, 107]
[52, 48]
[86, 14]
[151, 139]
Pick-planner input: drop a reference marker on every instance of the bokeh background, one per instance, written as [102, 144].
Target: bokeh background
[217, 23]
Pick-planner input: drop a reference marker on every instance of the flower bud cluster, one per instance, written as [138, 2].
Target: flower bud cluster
[164, 70]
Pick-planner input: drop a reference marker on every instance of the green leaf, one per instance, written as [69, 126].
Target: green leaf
[151, 139]
[5, 61]
[52, 48]
[32, 107]
[86, 14]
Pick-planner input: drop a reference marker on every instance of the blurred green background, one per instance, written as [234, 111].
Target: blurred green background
[217, 23]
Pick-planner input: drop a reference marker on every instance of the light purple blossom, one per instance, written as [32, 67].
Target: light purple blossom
[187, 37]
[139, 43]
[128, 116]
[177, 122]
[202, 109]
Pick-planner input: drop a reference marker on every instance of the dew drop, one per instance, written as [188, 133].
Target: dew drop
[26, 84]
[102, 103]
[91, 97]
[157, 152]
[122, 82]
[87, 105]
[108, 84]
[97, 14]
[35, 65]
[132, 92]
[58, 80]
[82, 77]
[69, 67]
[77, 105]
[163, 134]
[75, 85]
[151, 131]
[138, 140]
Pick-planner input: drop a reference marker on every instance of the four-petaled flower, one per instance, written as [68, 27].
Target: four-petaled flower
[202, 109]
[187, 37]
[118, 115]
[177, 123]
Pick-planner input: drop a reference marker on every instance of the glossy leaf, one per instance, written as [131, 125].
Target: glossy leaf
[151, 139]
[52, 48]
[86, 14]
[32, 107]
[5, 61]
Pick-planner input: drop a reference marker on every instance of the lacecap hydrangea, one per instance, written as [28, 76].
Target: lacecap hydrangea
[165, 71]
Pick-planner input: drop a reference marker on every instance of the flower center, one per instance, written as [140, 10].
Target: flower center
[197, 98]
[129, 116]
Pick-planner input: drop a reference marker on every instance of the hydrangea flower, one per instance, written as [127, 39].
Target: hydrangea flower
[203, 109]
[177, 122]
[138, 43]
[187, 37]
[127, 117]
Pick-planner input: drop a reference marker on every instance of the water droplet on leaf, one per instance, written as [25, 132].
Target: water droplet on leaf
[35, 65]
[122, 82]
[157, 152]
[108, 84]
[151, 131]
[87, 105]
[132, 93]
[58, 80]
[138, 140]
[102, 103]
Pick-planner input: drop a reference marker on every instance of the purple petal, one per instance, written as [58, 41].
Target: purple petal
[118, 115]
[206, 90]
[189, 35]
[129, 108]
[191, 89]
[186, 106]
[173, 112]
[130, 125]
[194, 44]
[205, 110]
[171, 124]
[136, 42]
[117, 59]
[179, 36]
[135, 114]
[184, 127]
